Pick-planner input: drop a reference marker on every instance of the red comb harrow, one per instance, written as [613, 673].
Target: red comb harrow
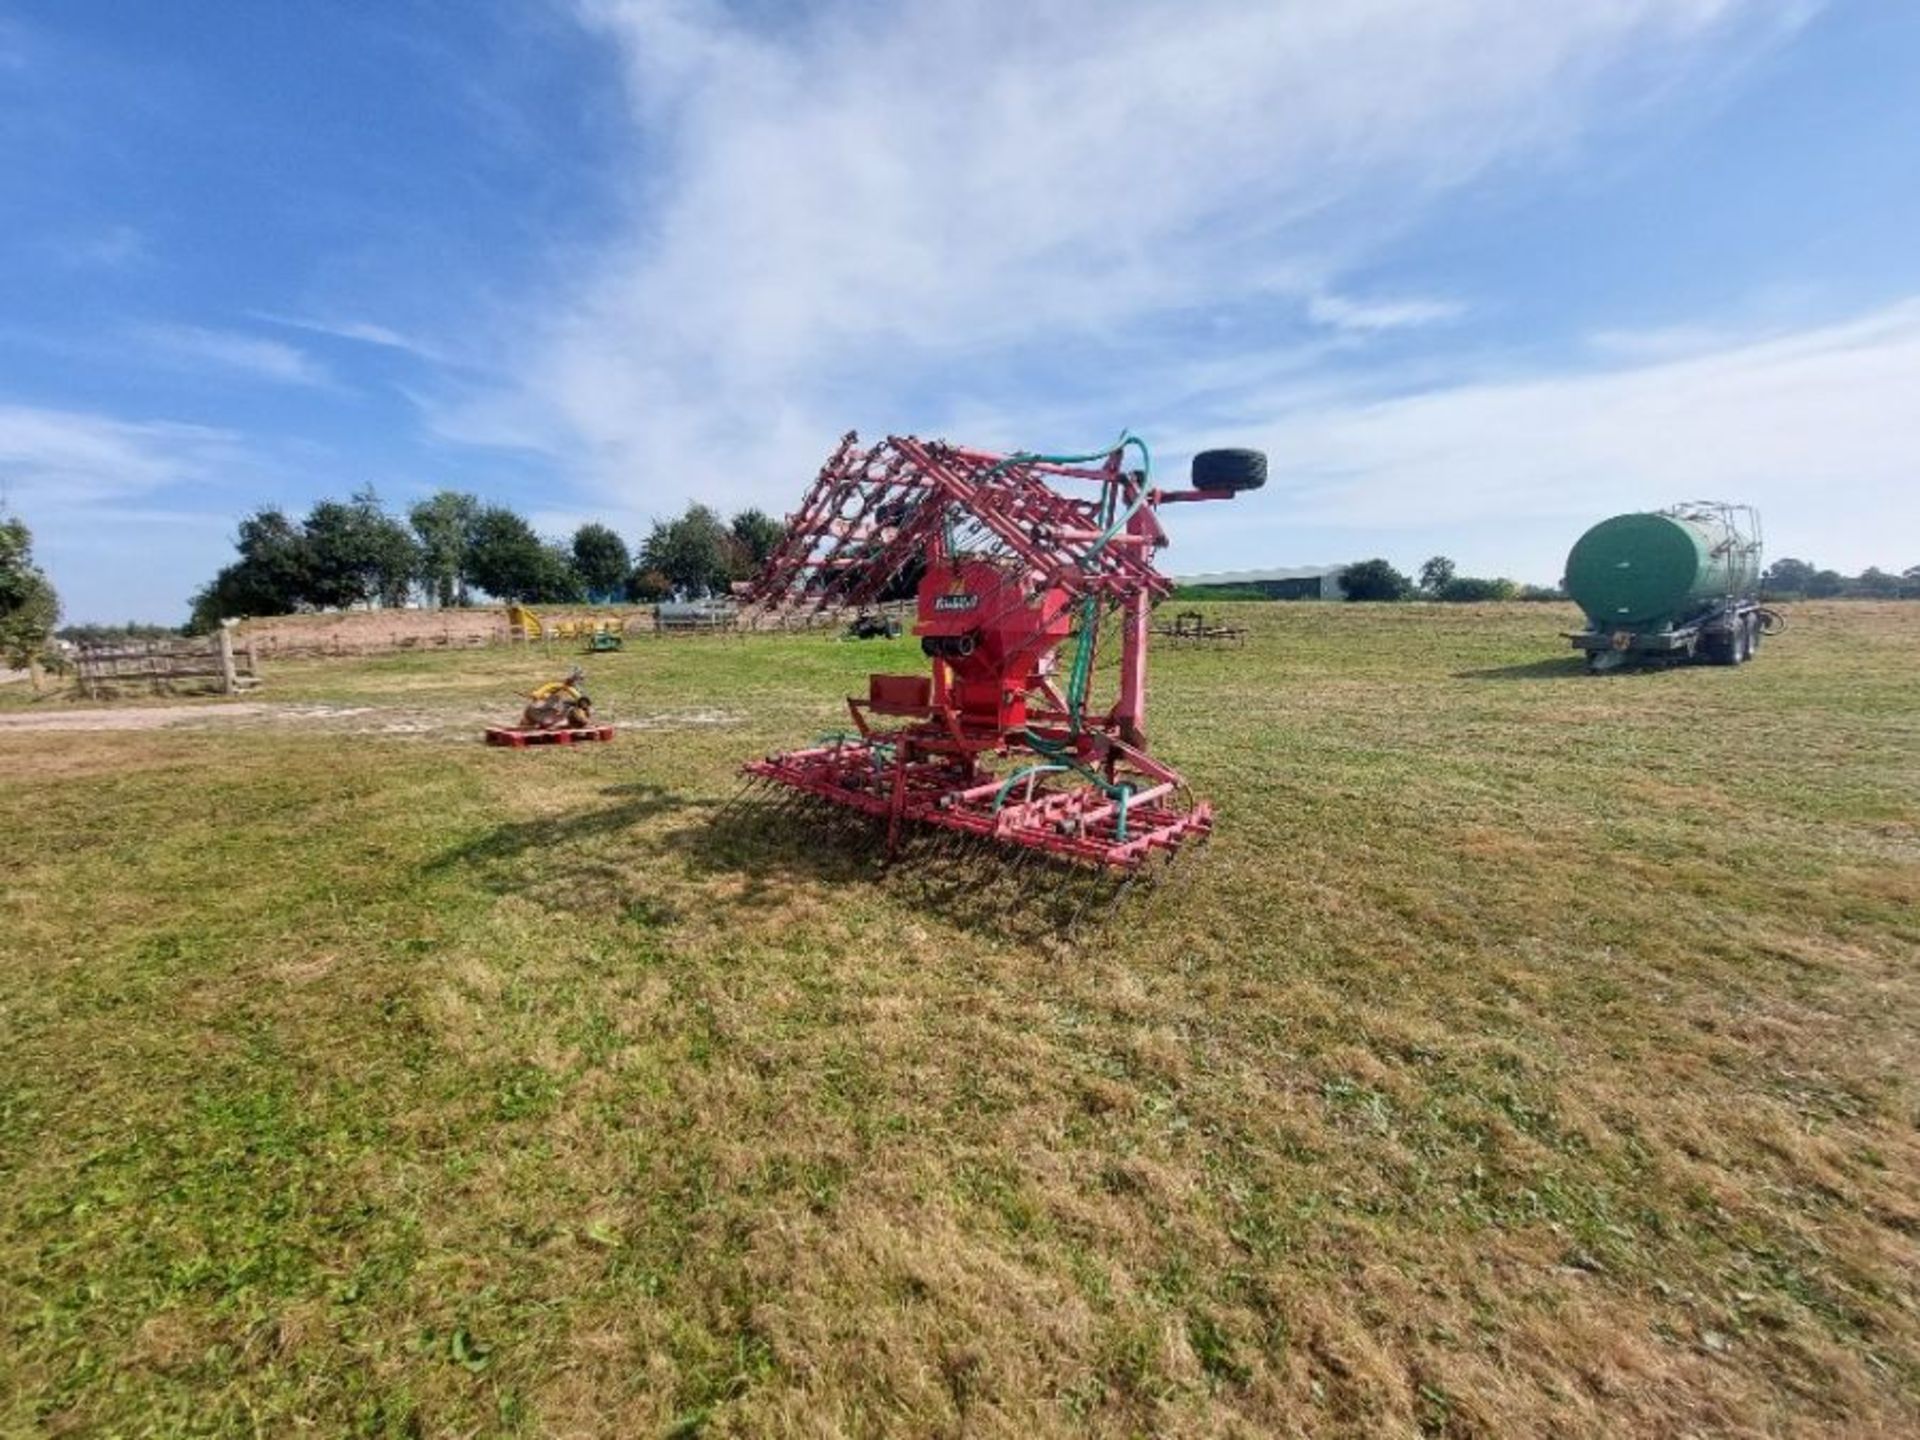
[1026, 566]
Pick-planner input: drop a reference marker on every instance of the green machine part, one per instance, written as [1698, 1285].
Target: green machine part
[1644, 570]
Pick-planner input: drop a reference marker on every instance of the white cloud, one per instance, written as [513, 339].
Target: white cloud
[1662, 342]
[888, 215]
[1344, 313]
[72, 460]
[94, 488]
[364, 332]
[270, 360]
[1818, 428]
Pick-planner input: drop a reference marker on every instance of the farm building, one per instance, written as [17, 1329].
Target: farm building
[1301, 582]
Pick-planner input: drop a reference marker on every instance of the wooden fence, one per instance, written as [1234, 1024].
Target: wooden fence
[163, 666]
[343, 634]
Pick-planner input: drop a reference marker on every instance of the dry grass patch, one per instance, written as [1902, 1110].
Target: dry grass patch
[1528, 1054]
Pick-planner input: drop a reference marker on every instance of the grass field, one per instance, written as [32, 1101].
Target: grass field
[1528, 1054]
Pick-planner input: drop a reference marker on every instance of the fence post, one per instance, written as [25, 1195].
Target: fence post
[229, 682]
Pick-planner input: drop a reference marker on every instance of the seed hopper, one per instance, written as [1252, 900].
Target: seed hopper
[1034, 579]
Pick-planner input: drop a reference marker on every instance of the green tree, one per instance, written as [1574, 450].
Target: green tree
[1873, 583]
[505, 558]
[360, 555]
[646, 586]
[443, 526]
[696, 552]
[1825, 584]
[1910, 583]
[1374, 580]
[273, 575]
[558, 581]
[29, 608]
[1468, 589]
[1787, 576]
[601, 562]
[756, 533]
[1435, 574]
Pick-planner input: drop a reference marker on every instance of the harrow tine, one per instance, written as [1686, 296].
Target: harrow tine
[746, 786]
[1091, 889]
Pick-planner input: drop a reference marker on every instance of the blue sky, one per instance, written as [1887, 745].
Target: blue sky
[1475, 272]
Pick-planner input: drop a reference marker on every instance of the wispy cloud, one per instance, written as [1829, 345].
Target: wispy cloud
[363, 332]
[890, 216]
[72, 461]
[263, 359]
[93, 487]
[1366, 316]
[1817, 427]
[114, 247]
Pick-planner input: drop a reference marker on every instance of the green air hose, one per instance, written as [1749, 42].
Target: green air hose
[880, 751]
[1120, 792]
[1061, 757]
[1006, 788]
[1080, 676]
[1028, 457]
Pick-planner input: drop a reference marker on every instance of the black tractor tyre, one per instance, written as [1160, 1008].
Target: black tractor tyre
[1229, 471]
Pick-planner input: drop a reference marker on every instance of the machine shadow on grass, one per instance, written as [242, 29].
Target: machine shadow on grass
[993, 890]
[592, 857]
[579, 852]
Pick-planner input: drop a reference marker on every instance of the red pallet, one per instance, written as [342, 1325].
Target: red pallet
[519, 739]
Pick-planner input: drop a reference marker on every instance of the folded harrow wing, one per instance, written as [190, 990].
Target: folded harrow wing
[1034, 579]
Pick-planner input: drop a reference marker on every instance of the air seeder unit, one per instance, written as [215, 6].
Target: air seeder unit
[1035, 583]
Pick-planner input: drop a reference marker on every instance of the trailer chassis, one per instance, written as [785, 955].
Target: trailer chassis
[1727, 634]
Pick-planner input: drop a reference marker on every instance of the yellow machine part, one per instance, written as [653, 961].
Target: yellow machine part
[532, 627]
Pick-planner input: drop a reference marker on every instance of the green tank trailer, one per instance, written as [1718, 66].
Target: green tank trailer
[1671, 585]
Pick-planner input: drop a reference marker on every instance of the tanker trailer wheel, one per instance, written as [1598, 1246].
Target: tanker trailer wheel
[1229, 471]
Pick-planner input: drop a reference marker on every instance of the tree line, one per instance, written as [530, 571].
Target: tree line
[1785, 579]
[451, 548]
[1439, 579]
[1803, 580]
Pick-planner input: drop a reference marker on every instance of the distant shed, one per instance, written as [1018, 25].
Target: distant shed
[1301, 582]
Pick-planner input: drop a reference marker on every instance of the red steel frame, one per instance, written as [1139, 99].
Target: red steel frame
[989, 745]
